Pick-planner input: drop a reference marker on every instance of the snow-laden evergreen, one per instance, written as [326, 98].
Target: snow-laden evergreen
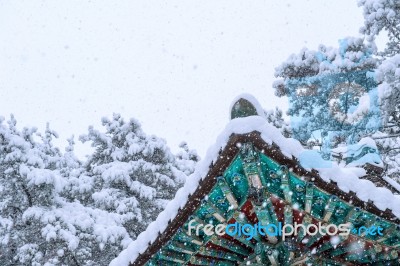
[29, 183]
[38, 226]
[379, 16]
[373, 82]
[56, 210]
[331, 91]
[186, 159]
[388, 74]
[130, 173]
[382, 17]
[275, 117]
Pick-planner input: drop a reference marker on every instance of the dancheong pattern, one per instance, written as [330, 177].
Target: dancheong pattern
[257, 189]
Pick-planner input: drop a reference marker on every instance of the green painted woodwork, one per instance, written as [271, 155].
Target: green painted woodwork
[243, 108]
[309, 197]
[271, 175]
[251, 165]
[186, 248]
[218, 254]
[231, 246]
[237, 180]
[183, 237]
[301, 234]
[264, 218]
[208, 262]
[228, 198]
[320, 199]
[241, 218]
[254, 177]
[330, 208]
[172, 256]
[270, 208]
[328, 244]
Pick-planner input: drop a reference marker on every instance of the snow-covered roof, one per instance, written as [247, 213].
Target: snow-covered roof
[347, 179]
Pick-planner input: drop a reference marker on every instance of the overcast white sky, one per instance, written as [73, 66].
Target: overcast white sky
[173, 65]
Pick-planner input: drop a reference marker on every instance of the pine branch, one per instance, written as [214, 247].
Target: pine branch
[386, 137]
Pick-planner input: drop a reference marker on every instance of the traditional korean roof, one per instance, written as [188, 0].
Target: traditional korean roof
[348, 184]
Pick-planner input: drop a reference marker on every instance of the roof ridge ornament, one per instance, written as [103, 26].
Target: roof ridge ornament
[245, 105]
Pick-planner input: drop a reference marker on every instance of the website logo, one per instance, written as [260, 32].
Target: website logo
[250, 231]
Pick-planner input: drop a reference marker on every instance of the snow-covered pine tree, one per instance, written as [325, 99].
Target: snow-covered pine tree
[324, 89]
[132, 174]
[78, 186]
[354, 57]
[186, 159]
[388, 140]
[382, 17]
[37, 225]
[28, 183]
[275, 117]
